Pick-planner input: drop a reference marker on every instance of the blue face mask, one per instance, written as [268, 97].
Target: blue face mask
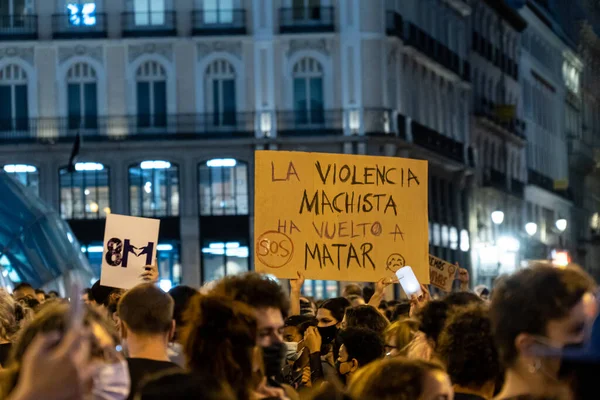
[111, 382]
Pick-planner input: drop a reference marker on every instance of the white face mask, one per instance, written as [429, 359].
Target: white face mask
[111, 382]
[292, 351]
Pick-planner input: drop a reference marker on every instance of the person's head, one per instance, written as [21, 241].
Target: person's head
[352, 289]
[23, 290]
[181, 295]
[461, 299]
[433, 317]
[40, 295]
[55, 318]
[540, 306]
[53, 294]
[466, 346]
[365, 317]
[355, 300]
[8, 319]
[86, 296]
[177, 385]
[146, 312]
[368, 292]
[401, 378]
[101, 294]
[265, 296]
[401, 311]
[399, 335]
[359, 347]
[332, 311]
[219, 340]
[295, 326]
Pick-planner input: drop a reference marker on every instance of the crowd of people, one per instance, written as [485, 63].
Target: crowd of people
[535, 335]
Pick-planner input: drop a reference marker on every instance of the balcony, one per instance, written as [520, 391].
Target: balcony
[394, 24]
[517, 188]
[435, 50]
[132, 127]
[219, 22]
[306, 20]
[495, 179]
[494, 55]
[18, 27]
[581, 153]
[150, 24]
[488, 111]
[537, 179]
[79, 26]
[310, 122]
[438, 143]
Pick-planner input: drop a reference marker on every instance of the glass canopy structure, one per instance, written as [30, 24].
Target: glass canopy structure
[36, 245]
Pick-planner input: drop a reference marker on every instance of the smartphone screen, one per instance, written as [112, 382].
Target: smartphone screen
[409, 281]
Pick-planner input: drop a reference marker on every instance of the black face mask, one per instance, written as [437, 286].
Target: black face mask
[327, 334]
[274, 357]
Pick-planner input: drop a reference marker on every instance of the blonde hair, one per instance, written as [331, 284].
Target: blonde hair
[404, 332]
[8, 319]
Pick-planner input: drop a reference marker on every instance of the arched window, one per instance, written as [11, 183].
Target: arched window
[151, 83]
[223, 187]
[14, 113]
[82, 96]
[308, 91]
[28, 175]
[220, 92]
[85, 192]
[154, 189]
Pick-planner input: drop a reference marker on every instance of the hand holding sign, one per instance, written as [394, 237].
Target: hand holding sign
[129, 248]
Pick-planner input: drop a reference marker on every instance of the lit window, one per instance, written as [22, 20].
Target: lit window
[85, 193]
[154, 189]
[82, 14]
[222, 259]
[28, 175]
[223, 187]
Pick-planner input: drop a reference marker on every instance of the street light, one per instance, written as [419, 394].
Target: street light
[498, 217]
[531, 228]
[561, 224]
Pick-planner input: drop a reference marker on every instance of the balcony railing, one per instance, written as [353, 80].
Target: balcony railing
[394, 24]
[79, 26]
[496, 179]
[437, 51]
[136, 24]
[380, 122]
[18, 27]
[487, 109]
[219, 22]
[494, 55]
[546, 183]
[435, 141]
[178, 126]
[306, 19]
[310, 122]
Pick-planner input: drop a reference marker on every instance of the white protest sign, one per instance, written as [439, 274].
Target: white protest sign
[129, 244]
[441, 273]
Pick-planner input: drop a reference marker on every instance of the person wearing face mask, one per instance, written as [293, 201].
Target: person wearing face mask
[270, 304]
[536, 308]
[297, 371]
[359, 347]
[147, 325]
[109, 377]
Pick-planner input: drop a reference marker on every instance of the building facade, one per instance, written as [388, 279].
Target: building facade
[172, 98]
[499, 140]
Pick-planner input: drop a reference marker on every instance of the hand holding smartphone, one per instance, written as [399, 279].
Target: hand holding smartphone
[409, 282]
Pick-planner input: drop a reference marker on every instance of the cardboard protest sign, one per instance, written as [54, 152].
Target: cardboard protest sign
[129, 244]
[441, 273]
[340, 217]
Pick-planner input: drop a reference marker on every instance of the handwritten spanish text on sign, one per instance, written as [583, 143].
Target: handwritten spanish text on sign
[340, 217]
[441, 273]
[129, 245]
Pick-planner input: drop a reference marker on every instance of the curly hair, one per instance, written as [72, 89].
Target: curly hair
[528, 300]
[8, 318]
[366, 317]
[219, 337]
[466, 345]
[256, 290]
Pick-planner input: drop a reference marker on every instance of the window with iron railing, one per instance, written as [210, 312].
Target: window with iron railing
[14, 109]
